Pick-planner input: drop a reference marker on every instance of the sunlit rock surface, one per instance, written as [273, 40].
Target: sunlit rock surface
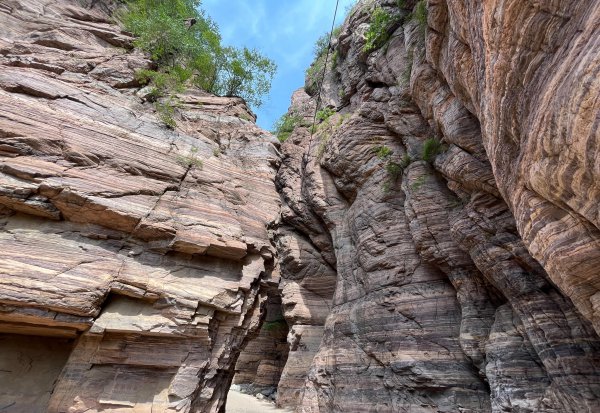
[133, 258]
[137, 262]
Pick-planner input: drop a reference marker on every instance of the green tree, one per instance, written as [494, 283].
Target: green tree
[245, 73]
[186, 46]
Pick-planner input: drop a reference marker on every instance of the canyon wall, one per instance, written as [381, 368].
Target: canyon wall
[452, 192]
[135, 260]
[431, 245]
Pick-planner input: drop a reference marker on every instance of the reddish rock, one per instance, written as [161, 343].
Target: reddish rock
[134, 258]
[466, 278]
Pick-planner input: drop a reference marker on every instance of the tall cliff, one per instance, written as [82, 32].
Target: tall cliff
[135, 260]
[431, 245]
[440, 242]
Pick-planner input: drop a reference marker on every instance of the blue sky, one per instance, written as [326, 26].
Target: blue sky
[285, 31]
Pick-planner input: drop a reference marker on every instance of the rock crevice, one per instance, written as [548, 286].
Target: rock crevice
[442, 180]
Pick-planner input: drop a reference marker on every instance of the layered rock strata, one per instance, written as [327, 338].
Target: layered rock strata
[438, 242]
[134, 260]
[453, 196]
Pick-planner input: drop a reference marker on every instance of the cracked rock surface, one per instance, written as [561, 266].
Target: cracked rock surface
[465, 279]
[433, 246]
[136, 258]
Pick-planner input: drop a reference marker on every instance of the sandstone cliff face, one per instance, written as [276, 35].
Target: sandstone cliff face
[438, 241]
[134, 259]
[465, 280]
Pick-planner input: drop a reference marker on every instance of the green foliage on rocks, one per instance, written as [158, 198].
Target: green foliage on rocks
[394, 169]
[383, 152]
[325, 113]
[405, 161]
[378, 32]
[419, 14]
[166, 112]
[432, 147]
[185, 45]
[190, 160]
[314, 72]
[286, 124]
[321, 45]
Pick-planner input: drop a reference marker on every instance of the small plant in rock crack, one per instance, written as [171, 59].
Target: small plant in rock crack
[383, 152]
[325, 113]
[456, 202]
[191, 160]
[166, 112]
[432, 147]
[405, 161]
[394, 169]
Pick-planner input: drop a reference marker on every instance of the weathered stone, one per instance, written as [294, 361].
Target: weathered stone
[466, 271]
[436, 250]
[136, 258]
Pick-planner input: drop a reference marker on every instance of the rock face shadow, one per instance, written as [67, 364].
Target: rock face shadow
[29, 367]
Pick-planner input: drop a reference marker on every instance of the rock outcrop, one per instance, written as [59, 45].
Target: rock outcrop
[260, 365]
[134, 260]
[454, 197]
[432, 245]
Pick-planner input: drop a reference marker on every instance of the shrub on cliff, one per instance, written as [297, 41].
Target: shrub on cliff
[286, 124]
[432, 148]
[186, 46]
[314, 72]
[378, 32]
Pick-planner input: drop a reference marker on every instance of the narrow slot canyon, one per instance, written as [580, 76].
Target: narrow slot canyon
[420, 232]
[261, 362]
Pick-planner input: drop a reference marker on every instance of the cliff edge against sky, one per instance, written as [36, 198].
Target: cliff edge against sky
[431, 245]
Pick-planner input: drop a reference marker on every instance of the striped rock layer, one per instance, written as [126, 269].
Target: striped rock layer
[467, 276]
[433, 246]
[134, 259]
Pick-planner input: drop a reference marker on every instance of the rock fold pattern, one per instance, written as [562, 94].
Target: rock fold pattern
[453, 195]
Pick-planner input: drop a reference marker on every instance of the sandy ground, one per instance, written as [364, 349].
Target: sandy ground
[244, 403]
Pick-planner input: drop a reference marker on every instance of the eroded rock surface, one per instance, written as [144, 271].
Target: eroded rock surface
[453, 195]
[134, 259]
[437, 249]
